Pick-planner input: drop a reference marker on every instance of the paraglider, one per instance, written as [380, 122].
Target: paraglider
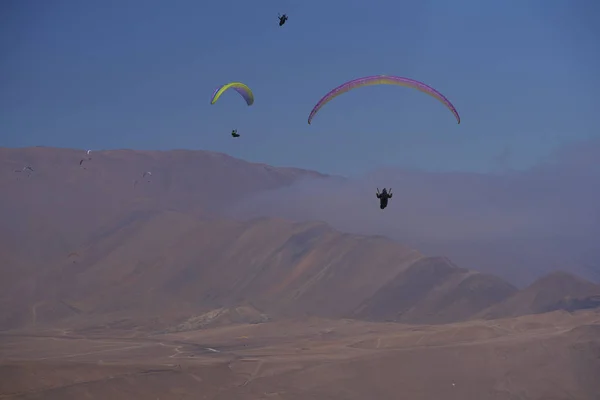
[383, 197]
[383, 80]
[239, 87]
[26, 169]
[144, 175]
[85, 159]
[73, 256]
[282, 19]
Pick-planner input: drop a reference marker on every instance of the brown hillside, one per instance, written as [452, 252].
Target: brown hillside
[171, 270]
[86, 245]
[433, 290]
[555, 291]
[173, 266]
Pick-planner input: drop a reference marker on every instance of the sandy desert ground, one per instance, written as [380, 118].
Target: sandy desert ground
[548, 356]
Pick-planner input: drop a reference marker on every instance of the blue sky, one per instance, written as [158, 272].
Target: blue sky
[139, 74]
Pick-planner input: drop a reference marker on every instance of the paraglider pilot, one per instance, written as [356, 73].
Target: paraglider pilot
[383, 197]
[282, 19]
[234, 133]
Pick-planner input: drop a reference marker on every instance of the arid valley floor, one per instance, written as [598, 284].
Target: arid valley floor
[520, 358]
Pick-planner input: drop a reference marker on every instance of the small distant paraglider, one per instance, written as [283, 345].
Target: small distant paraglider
[73, 256]
[27, 170]
[87, 153]
[234, 133]
[144, 175]
[282, 19]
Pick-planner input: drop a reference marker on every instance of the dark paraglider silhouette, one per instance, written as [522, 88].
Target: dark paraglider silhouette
[383, 197]
[282, 19]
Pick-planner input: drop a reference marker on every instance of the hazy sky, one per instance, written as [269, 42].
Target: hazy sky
[517, 225]
[139, 74]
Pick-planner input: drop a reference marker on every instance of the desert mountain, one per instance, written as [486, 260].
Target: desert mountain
[556, 291]
[189, 271]
[90, 247]
[434, 290]
[61, 205]
[171, 264]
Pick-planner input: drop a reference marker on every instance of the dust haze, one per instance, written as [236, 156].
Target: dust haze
[518, 225]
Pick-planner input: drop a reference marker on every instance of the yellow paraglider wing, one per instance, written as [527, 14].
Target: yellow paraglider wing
[239, 87]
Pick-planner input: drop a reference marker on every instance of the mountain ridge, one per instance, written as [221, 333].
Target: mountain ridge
[86, 247]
